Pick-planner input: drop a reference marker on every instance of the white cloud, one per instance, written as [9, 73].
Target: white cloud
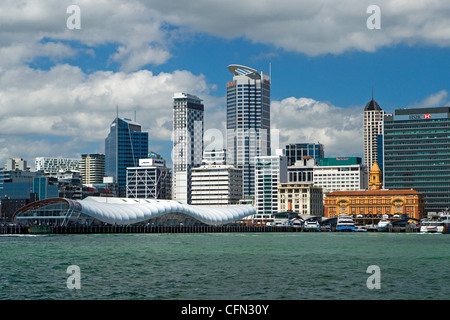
[144, 30]
[314, 27]
[65, 103]
[136, 29]
[307, 120]
[438, 99]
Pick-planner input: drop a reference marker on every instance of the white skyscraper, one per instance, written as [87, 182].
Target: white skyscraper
[248, 121]
[187, 143]
[373, 126]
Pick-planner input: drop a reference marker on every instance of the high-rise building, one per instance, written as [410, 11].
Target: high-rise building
[187, 138]
[125, 145]
[151, 180]
[417, 154]
[92, 168]
[297, 151]
[248, 121]
[373, 126]
[270, 171]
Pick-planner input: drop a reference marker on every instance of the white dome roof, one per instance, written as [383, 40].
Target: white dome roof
[130, 211]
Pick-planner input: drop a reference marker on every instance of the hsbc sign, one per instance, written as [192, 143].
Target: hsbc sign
[419, 116]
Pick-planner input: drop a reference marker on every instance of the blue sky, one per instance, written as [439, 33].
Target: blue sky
[59, 88]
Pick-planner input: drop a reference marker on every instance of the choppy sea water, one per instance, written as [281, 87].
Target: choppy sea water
[218, 266]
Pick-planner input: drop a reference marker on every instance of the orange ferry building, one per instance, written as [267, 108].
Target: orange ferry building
[375, 202]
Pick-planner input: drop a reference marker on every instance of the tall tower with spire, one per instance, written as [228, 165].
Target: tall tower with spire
[373, 127]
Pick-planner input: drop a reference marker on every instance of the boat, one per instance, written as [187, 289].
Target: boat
[311, 225]
[360, 229]
[345, 223]
[383, 224]
[434, 226]
[439, 224]
[296, 223]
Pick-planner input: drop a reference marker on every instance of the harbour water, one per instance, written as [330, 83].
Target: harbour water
[218, 266]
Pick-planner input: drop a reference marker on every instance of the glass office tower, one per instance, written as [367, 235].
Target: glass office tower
[124, 146]
[296, 151]
[417, 154]
[248, 122]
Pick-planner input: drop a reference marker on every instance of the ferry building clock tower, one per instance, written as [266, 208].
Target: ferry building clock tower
[375, 178]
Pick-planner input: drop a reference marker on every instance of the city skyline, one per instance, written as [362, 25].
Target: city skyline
[61, 86]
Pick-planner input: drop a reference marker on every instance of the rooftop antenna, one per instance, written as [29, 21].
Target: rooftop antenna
[372, 92]
[134, 115]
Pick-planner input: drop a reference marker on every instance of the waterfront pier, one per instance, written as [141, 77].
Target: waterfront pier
[46, 229]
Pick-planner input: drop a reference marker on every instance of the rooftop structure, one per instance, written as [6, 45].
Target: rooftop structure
[124, 211]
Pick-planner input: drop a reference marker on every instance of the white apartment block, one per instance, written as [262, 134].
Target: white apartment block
[16, 164]
[340, 178]
[92, 167]
[49, 165]
[216, 185]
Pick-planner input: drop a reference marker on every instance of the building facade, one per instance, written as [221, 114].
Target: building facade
[417, 154]
[376, 201]
[214, 156]
[248, 122]
[270, 172]
[52, 165]
[297, 151]
[373, 126]
[20, 187]
[125, 144]
[188, 123]
[92, 168]
[151, 180]
[302, 198]
[216, 185]
[302, 170]
[340, 174]
[16, 164]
